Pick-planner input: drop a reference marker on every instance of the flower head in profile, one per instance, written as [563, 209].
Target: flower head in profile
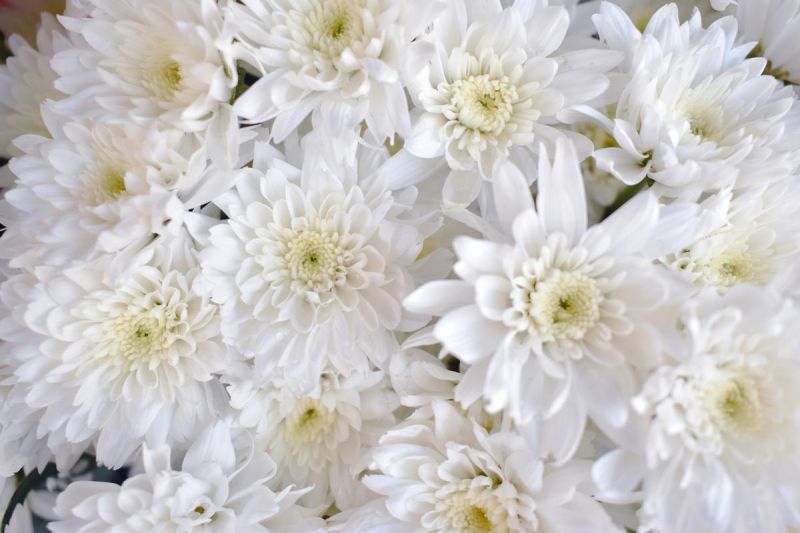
[222, 485]
[319, 437]
[116, 362]
[120, 188]
[755, 240]
[695, 116]
[461, 479]
[722, 422]
[26, 82]
[354, 51]
[551, 315]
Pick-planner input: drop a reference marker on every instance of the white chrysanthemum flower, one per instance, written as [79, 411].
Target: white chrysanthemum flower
[114, 362]
[330, 50]
[26, 81]
[221, 486]
[774, 25]
[148, 60]
[448, 475]
[721, 452]
[312, 260]
[96, 189]
[551, 315]
[756, 239]
[696, 115]
[495, 84]
[318, 437]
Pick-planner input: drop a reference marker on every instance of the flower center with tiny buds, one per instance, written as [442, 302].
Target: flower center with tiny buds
[734, 404]
[333, 25]
[483, 104]
[315, 260]
[565, 305]
[474, 510]
[705, 121]
[734, 266]
[107, 182]
[162, 78]
[308, 423]
[139, 337]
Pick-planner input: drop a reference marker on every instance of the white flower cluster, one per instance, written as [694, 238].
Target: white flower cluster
[453, 266]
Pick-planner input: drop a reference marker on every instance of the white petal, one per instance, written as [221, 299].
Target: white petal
[512, 194]
[562, 202]
[439, 297]
[467, 334]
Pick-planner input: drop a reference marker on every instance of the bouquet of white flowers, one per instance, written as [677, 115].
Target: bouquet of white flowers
[390, 266]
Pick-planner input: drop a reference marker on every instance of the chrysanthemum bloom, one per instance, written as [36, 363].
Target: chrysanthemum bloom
[319, 438]
[449, 475]
[114, 362]
[313, 259]
[754, 241]
[26, 81]
[146, 61]
[312, 51]
[696, 115]
[496, 84]
[98, 189]
[774, 25]
[721, 452]
[551, 315]
[221, 486]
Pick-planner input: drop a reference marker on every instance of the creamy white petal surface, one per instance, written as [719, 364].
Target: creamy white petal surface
[399, 266]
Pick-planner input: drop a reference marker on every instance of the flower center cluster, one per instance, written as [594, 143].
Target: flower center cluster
[139, 337]
[705, 120]
[731, 268]
[713, 407]
[106, 182]
[734, 404]
[307, 424]
[333, 25]
[483, 104]
[315, 260]
[163, 78]
[735, 265]
[561, 305]
[474, 510]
